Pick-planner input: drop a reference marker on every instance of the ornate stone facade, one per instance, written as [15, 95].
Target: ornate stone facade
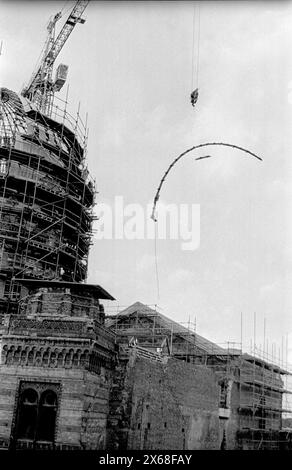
[56, 344]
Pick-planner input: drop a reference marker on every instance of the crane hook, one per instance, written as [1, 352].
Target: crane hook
[194, 97]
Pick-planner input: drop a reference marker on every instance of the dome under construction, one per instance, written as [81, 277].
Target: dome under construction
[46, 195]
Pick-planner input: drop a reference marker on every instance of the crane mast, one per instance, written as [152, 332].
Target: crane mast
[42, 87]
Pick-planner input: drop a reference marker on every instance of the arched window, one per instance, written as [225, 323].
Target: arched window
[36, 416]
[47, 416]
[27, 416]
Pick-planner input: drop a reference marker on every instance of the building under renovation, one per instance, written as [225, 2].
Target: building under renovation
[72, 377]
[227, 399]
[46, 194]
[46, 197]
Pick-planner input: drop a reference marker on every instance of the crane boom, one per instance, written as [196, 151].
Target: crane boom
[41, 88]
[72, 20]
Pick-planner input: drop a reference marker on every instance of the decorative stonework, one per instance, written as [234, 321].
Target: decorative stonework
[44, 356]
[48, 326]
[39, 387]
[54, 357]
[62, 303]
[58, 336]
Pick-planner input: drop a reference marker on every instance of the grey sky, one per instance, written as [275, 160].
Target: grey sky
[130, 65]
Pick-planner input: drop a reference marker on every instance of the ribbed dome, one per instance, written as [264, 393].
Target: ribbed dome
[12, 113]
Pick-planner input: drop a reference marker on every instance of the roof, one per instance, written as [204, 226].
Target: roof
[96, 290]
[269, 365]
[202, 343]
[165, 322]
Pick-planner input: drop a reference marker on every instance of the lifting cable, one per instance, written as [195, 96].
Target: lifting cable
[157, 195]
[195, 69]
[196, 61]
[62, 12]
[195, 66]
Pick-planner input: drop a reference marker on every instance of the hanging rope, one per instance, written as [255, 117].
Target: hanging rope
[156, 264]
[198, 158]
[62, 12]
[195, 73]
[193, 48]
[198, 44]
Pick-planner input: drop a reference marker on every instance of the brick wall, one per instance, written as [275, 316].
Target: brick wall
[163, 406]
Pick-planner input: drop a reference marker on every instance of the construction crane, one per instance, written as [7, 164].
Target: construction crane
[42, 86]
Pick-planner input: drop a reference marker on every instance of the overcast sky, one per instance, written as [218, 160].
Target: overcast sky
[131, 67]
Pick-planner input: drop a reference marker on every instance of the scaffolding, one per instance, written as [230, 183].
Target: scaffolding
[265, 390]
[255, 388]
[156, 331]
[260, 398]
[46, 195]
